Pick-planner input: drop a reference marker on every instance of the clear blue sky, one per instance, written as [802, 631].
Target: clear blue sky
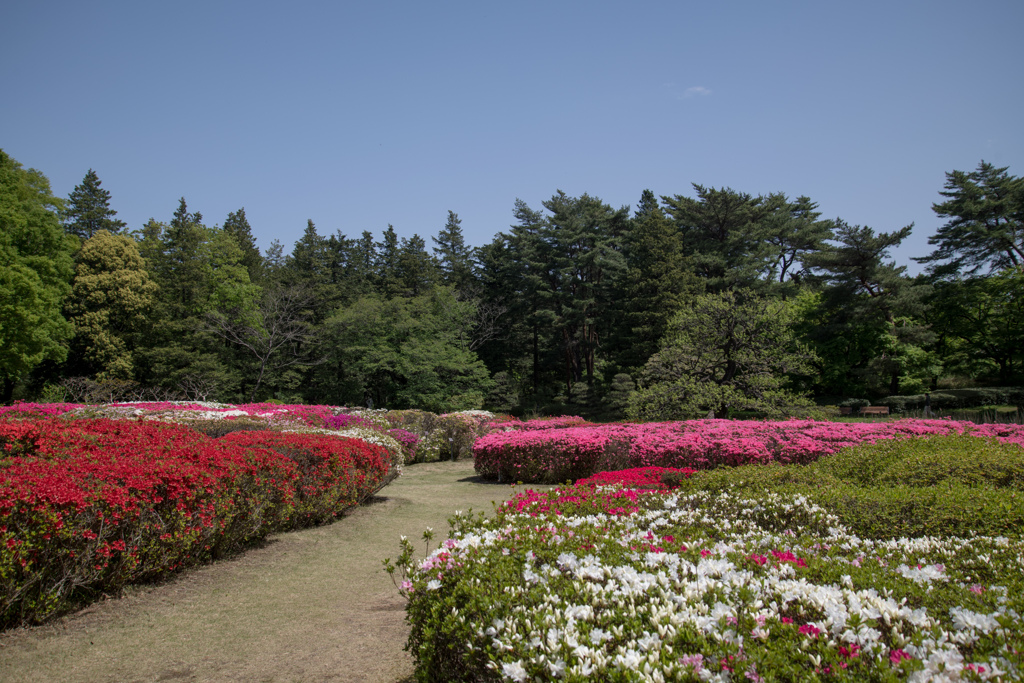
[362, 114]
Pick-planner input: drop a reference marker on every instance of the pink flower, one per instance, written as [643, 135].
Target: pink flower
[810, 630]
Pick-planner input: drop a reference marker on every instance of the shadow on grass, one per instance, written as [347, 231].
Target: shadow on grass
[375, 500]
[477, 479]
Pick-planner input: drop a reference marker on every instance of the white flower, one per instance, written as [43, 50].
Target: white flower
[515, 671]
[433, 585]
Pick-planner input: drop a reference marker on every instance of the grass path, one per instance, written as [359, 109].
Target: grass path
[312, 605]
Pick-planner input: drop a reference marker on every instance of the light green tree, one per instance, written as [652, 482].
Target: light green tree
[35, 269]
[111, 296]
[406, 353]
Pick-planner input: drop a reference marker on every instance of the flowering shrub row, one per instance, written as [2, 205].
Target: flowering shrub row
[87, 506]
[639, 477]
[559, 455]
[581, 584]
[422, 436]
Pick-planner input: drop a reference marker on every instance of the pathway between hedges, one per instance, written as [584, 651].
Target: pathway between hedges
[311, 605]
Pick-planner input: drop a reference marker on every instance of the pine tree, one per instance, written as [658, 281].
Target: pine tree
[658, 280]
[309, 267]
[181, 272]
[453, 256]
[417, 270]
[985, 209]
[715, 229]
[386, 264]
[88, 209]
[869, 297]
[238, 227]
[585, 239]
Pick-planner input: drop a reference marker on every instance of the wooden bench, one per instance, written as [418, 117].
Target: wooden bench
[845, 410]
[874, 410]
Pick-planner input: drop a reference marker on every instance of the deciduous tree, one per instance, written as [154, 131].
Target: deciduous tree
[110, 298]
[35, 271]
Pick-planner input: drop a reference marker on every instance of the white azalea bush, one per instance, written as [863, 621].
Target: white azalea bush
[612, 584]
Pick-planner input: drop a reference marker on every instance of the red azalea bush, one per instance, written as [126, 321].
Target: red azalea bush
[636, 478]
[558, 455]
[334, 474]
[580, 499]
[87, 506]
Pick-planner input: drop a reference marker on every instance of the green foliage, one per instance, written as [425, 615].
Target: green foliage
[572, 296]
[110, 298]
[88, 209]
[985, 209]
[728, 351]
[405, 353]
[963, 459]
[870, 318]
[715, 230]
[237, 226]
[583, 238]
[450, 437]
[35, 268]
[982, 319]
[955, 399]
[939, 486]
[657, 282]
[453, 257]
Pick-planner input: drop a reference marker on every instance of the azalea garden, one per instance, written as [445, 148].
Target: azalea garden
[700, 550]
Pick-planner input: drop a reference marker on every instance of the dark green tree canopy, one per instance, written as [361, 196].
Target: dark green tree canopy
[454, 258]
[716, 229]
[88, 209]
[237, 225]
[726, 351]
[985, 208]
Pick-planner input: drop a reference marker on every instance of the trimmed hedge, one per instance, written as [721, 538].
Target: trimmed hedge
[956, 399]
[957, 485]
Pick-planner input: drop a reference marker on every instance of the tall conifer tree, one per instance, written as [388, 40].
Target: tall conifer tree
[88, 209]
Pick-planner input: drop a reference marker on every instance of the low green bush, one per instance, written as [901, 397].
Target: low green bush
[957, 485]
[957, 459]
[953, 510]
[956, 399]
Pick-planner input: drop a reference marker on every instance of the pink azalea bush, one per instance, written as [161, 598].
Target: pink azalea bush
[507, 422]
[571, 453]
[21, 409]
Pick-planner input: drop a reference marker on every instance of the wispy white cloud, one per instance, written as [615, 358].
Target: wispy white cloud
[696, 91]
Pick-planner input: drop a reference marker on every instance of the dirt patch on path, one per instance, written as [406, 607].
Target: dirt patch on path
[312, 605]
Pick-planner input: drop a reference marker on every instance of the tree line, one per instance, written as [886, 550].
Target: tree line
[712, 300]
